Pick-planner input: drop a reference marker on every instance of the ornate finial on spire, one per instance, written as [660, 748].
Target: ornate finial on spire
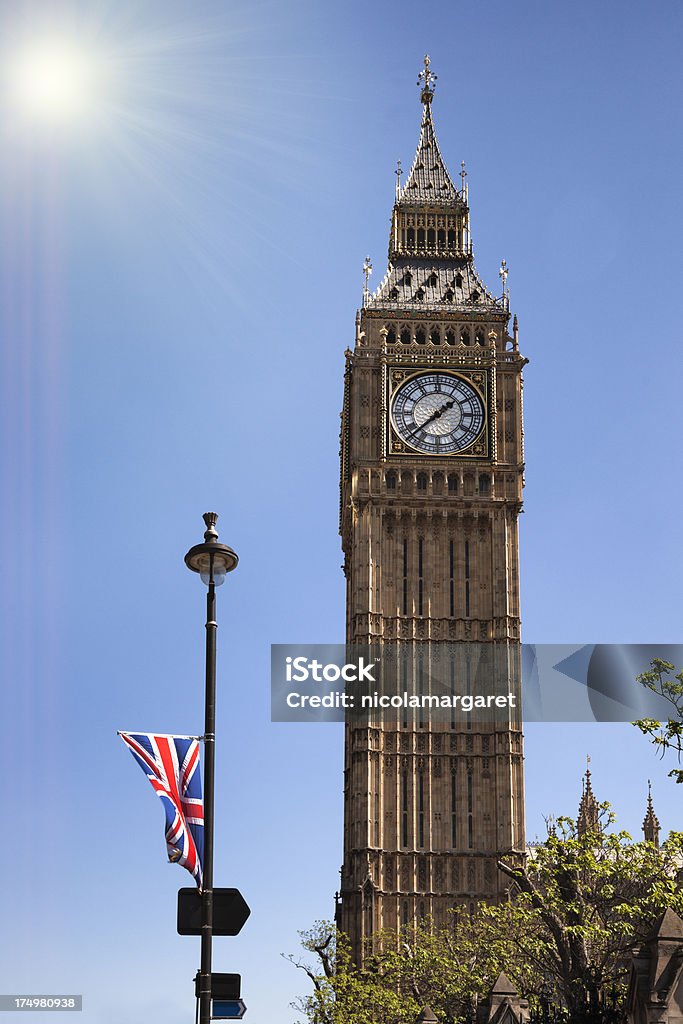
[463, 175]
[427, 77]
[651, 821]
[367, 270]
[503, 274]
[398, 172]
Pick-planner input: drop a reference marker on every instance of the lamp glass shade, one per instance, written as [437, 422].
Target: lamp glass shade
[212, 561]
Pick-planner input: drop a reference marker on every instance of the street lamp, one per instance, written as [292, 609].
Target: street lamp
[213, 561]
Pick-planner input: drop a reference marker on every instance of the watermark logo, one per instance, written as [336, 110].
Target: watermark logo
[302, 670]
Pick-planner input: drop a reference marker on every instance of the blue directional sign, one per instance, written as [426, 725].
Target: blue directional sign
[227, 1009]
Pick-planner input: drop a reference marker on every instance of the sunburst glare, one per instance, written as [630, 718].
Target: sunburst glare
[55, 80]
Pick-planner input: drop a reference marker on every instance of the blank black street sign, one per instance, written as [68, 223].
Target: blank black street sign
[223, 986]
[230, 911]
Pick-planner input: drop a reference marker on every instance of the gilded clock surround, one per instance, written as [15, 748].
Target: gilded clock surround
[478, 379]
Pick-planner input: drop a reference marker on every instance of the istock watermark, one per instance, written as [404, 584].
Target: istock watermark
[503, 681]
[301, 669]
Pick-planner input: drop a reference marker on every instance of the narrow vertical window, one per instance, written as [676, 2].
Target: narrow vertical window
[405, 575]
[377, 836]
[468, 676]
[404, 809]
[454, 824]
[451, 573]
[467, 577]
[420, 809]
[404, 914]
[453, 683]
[470, 836]
[419, 576]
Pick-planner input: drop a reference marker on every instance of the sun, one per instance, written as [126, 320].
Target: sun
[55, 80]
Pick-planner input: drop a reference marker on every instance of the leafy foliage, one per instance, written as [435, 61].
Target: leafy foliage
[584, 901]
[565, 935]
[665, 735]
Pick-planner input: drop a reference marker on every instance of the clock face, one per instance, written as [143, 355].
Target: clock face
[438, 413]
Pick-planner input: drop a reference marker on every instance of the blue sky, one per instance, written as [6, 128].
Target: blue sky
[180, 274]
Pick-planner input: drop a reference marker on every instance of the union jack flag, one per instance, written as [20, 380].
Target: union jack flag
[171, 763]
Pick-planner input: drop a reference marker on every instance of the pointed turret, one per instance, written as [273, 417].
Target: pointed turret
[430, 251]
[428, 178]
[651, 821]
[588, 819]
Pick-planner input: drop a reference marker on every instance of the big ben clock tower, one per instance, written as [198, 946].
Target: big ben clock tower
[431, 490]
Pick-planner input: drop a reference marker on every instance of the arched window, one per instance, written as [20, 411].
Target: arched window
[411, 237]
[420, 237]
[431, 237]
[441, 236]
[464, 337]
[451, 239]
[452, 483]
[437, 483]
[475, 296]
[391, 480]
[458, 280]
[450, 338]
[479, 337]
[435, 337]
[405, 336]
[391, 336]
[422, 481]
[433, 280]
[408, 278]
[449, 296]
[484, 485]
[420, 337]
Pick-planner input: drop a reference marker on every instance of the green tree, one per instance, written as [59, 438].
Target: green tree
[660, 678]
[342, 993]
[575, 912]
[583, 902]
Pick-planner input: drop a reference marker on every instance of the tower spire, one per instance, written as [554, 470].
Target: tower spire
[588, 819]
[651, 821]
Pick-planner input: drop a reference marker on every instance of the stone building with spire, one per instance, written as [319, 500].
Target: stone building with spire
[651, 821]
[588, 816]
[432, 466]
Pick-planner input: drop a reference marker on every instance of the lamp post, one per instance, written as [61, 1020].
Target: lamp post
[213, 561]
